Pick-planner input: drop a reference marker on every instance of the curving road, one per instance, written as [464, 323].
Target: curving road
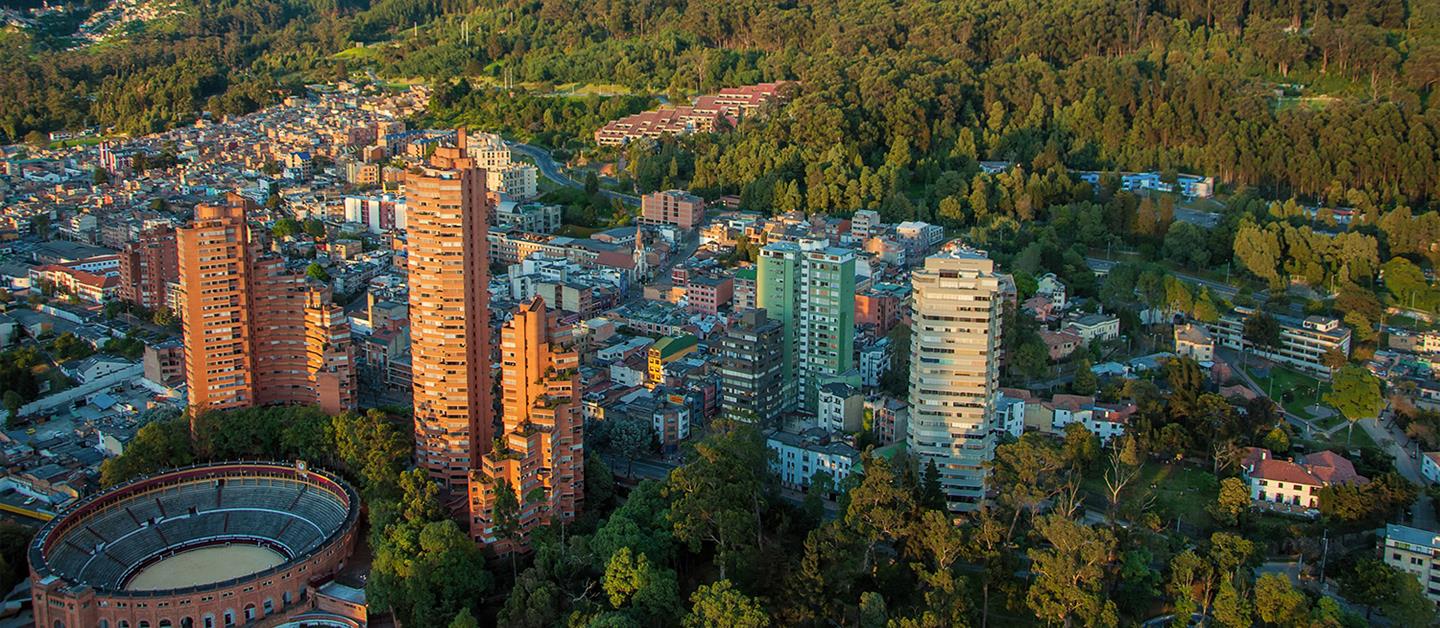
[1217, 288]
[552, 171]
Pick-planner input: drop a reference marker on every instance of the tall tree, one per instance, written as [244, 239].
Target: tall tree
[1355, 392]
[1071, 573]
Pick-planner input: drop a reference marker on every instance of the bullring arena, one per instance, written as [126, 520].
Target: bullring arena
[209, 546]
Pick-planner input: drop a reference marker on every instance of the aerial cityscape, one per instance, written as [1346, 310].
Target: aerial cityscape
[910, 314]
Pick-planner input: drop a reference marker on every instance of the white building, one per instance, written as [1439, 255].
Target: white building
[799, 456]
[1009, 415]
[1095, 327]
[1294, 487]
[839, 407]
[928, 235]
[1430, 466]
[875, 359]
[864, 224]
[1050, 287]
[953, 378]
[1104, 421]
[1194, 341]
[532, 217]
[1303, 343]
[519, 181]
[1416, 552]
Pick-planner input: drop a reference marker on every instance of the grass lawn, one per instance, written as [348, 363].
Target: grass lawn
[1360, 439]
[78, 141]
[1295, 391]
[576, 231]
[359, 53]
[1179, 490]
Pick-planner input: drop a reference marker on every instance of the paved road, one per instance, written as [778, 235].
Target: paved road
[1218, 288]
[1399, 446]
[554, 172]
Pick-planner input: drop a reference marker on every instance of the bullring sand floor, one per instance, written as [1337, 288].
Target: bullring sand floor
[204, 565]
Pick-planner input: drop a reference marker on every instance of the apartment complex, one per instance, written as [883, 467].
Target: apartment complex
[750, 376]
[146, 265]
[810, 289]
[256, 332]
[707, 114]
[450, 349]
[1416, 552]
[954, 370]
[541, 449]
[665, 351]
[489, 153]
[671, 207]
[1303, 342]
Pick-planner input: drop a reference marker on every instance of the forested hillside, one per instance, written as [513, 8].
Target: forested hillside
[1297, 97]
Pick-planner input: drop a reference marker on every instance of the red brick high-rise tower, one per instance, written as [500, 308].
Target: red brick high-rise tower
[540, 454]
[248, 323]
[449, 318]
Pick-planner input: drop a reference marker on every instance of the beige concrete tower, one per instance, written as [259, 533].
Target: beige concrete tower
[954, 370]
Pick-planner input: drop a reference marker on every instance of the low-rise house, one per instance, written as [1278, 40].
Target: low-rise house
[1060, 344]
[799, 456]
[1041, 307]
[1105, 421]
[1050, 287]
[96, 367]
[1294, 486]
[1194, 341]
[1095, 327]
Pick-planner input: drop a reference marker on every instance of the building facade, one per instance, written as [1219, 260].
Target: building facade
[1415, 552]
[750, 376]
[954, 370]
[672, 207]
[798, 457]
[541, 454]
[248, 323]
[147, 265]
[446, 214]
[1303, 342]
[810, 289]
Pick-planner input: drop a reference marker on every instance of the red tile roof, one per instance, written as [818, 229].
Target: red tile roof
[1332, 468]
[1284, 471]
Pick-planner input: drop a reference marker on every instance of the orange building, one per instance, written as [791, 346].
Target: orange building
[450, 348]
[247, 323]
[147, 265]
[542, 455]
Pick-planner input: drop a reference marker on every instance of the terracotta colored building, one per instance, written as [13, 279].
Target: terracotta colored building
[671, 207]
[247, 323]
[881, 309]
[449, 317]
[146, 265]
[543, 448]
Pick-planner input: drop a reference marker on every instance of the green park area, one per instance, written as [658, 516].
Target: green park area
[1171, 490]
[1297, 392]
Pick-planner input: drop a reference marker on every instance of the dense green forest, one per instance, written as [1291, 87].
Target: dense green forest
[1318, 99]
